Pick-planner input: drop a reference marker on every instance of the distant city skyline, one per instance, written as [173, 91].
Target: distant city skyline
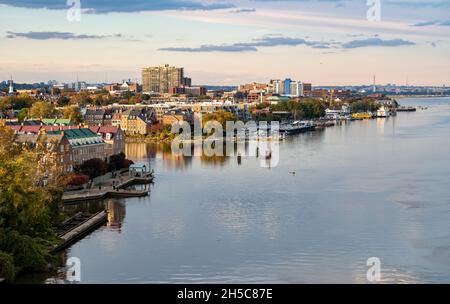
[228, 42]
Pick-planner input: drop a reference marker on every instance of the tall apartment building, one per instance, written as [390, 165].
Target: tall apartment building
[288, 87]
[161, 79]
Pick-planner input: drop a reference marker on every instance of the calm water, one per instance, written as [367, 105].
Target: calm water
[378, 188]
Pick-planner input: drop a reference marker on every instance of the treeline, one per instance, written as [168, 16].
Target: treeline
[304, 109]
[364, 105]
[30, 108]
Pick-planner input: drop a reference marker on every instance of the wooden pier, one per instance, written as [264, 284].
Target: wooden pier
[78, 226]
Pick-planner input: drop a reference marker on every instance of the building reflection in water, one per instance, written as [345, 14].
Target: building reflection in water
[116, 214]
[148, 152]
[115, 208]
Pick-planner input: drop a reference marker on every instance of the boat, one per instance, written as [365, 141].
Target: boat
[362, 115]
[383, 112]
[297, 127]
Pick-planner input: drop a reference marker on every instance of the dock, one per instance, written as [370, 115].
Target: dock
[109, 191]
[78, 226]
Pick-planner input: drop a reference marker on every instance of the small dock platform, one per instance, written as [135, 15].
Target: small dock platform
[78, 226]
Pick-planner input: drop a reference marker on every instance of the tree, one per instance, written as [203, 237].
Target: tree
[63, 101]
[93, 167]
[23, 114]
[73, 113]
[42, 109]
[27, 207]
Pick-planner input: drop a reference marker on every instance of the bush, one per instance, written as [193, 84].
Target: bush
[78, 180]
[6, 267]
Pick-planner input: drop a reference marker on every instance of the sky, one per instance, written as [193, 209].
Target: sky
[228, 42]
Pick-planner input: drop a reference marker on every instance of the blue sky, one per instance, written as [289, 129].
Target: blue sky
[327, 42]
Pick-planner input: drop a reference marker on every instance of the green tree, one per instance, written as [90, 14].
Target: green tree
[23, 114]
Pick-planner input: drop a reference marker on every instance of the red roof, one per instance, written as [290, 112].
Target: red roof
[30, 129]
[104, 129]
[16, 128]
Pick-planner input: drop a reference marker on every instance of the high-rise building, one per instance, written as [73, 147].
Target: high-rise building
[287, 86]
[161, 79]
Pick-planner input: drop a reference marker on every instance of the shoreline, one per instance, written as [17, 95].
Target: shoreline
[416, 97]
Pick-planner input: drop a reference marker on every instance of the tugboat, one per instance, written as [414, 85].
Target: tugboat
[297, 127]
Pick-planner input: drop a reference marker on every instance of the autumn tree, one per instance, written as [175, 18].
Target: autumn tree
[42, 109]
[73, 113]
[29, 208]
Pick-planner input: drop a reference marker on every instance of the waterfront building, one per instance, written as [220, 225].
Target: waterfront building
[113, 137]
[84, 144]
[58, 147]
[161, 79]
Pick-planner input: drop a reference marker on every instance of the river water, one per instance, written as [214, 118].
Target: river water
[376, 188]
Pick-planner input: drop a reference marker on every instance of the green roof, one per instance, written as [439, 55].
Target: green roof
[76, 133]
[59, 121]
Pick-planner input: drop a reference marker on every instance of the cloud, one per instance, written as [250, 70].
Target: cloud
[370, 42]
[243, 10]
[435, 22]
[57, 35]
[273, 41]
[211, 48]
[420, 3]
[252, 46]
[119, 6]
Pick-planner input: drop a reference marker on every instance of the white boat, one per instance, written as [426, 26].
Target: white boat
[383, 112]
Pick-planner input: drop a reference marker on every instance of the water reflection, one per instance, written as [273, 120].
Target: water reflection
[266, 152]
